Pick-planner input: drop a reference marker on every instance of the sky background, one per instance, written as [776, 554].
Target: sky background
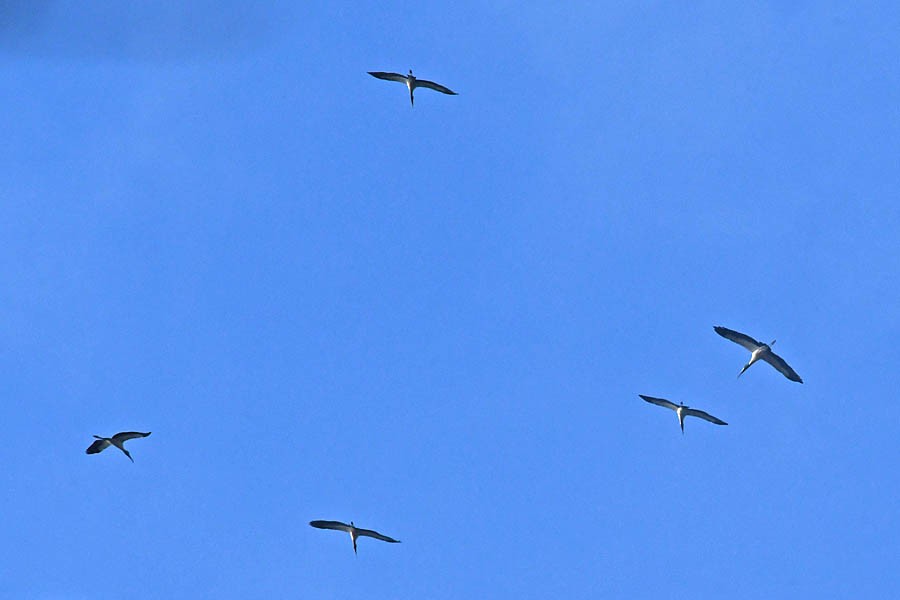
[436, 321]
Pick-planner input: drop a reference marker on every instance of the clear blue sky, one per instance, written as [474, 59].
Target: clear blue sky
[435, 321]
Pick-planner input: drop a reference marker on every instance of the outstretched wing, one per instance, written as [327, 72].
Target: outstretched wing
[693, 412]
[376, 535]
[738, 338]
[97, 446]
[659, 402]
[435, 86]
[388, 76]
[124, 436]
[336, 525]
[778, 362]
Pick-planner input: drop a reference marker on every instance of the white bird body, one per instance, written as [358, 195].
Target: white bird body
[354, 531]
[412, 83]
[682, 411]
[758, 351]
[117, 440]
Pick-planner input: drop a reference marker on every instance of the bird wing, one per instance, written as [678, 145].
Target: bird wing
[435, 86]
[376, 535]
[659, 402]
[778, 362]
[124, 436]
[738, 338]
[693, 412]
[97, 446]
[388, 76]
[336, 525]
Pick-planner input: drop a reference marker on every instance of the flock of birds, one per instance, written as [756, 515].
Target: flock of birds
[758, 351]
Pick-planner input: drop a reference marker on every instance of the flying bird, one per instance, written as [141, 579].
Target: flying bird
[354, 531]
[412, 83]
[117, 440]
[683, 411]
[758, 351]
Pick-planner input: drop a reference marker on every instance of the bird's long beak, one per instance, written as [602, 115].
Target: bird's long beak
[747, 366]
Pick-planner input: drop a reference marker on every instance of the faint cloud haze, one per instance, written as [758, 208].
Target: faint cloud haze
[132, 31]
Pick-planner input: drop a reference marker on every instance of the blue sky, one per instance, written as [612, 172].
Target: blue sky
[435, 321]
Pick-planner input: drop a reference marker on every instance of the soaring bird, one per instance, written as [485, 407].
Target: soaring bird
[412, 83]
[683, 411]
[117, 440]
[758, 351]
[354, 531]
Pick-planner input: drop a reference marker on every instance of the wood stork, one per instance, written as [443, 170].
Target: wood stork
[412, 83]
[758, 351]
[354, 531]
[683, 411]
[117, 440]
